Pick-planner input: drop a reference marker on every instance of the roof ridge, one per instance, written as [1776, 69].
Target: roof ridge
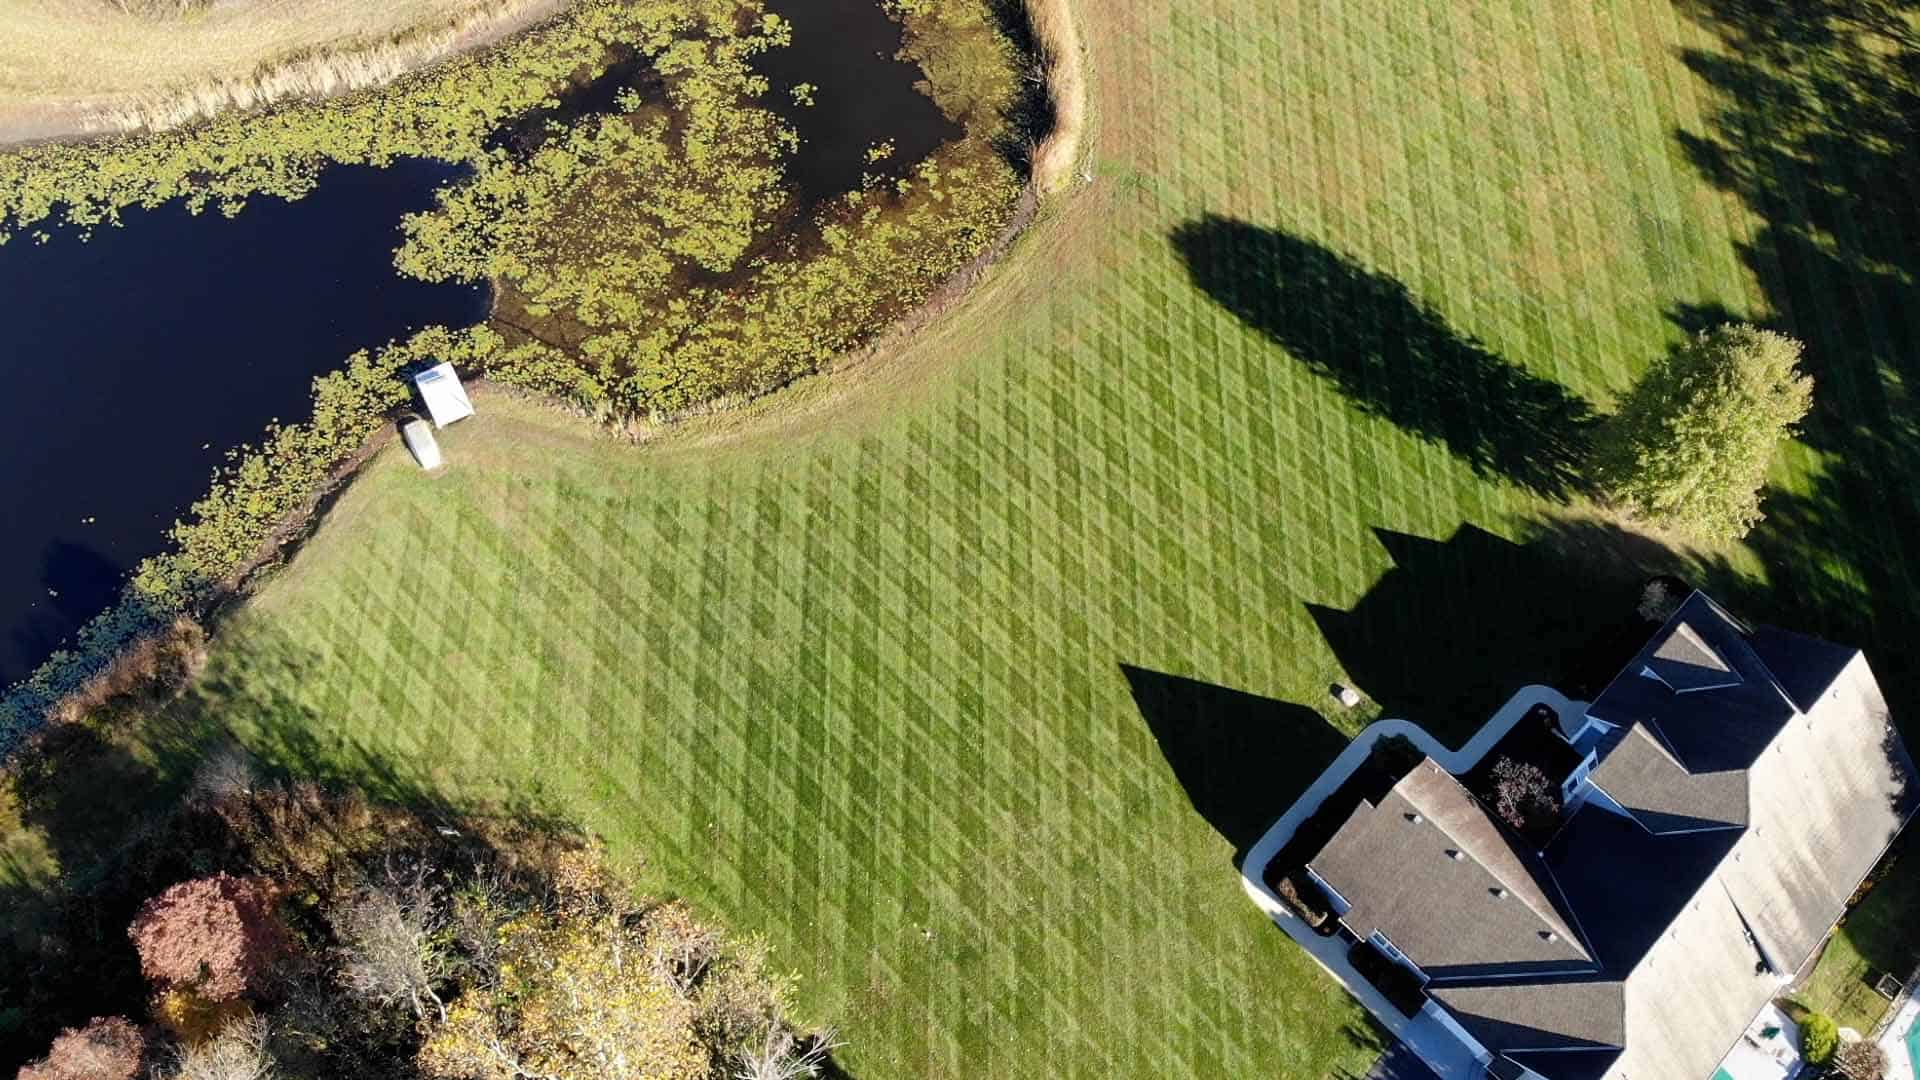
[1556, 921]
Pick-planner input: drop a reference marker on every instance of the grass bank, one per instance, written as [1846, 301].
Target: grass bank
[964, 676]
[87, 67]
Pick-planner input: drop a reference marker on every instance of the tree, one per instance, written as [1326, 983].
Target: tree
[1691, 444]
[1819, 1038]
[108, 1048]
[1861, 1060]
[214, 936]
[238, 1052]
[1523, 796]
[783, 1055]
[575, 1000]
[392, 948]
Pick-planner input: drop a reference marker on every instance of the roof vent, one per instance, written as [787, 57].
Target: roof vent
[1499, 892]
[1415, 818]
[1455, 854]
[1548, 935]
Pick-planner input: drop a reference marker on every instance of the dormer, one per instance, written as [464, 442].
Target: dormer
[1684, 663]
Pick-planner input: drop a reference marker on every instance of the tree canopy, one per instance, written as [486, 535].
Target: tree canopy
[1691, 444]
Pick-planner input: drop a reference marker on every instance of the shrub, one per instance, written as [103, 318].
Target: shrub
[1304, 898]
[215, 936]
[193, 1019]
[1523, 796]
[1395, 755]
[1861, 1060]
[1819, 1038]
[1692, 443]
[570, 1002]
[1659, 598]
[108, 1048]
[392, 948]
[238, 1052]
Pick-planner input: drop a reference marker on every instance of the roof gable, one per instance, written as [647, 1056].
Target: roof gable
[1644, 777]
[1434, 872]
[1707, 694]
[1685, 662]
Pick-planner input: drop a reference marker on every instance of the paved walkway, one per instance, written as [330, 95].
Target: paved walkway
[1400, 1063]
[1894, 1041]
[1425, 1035]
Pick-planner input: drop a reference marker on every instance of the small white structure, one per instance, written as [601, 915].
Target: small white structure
[421, 443]
[446, 399]
[1346, 695]
[1770, 1049]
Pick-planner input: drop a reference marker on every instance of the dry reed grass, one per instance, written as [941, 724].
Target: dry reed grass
[156, 664]
[95, 66]
[1058, 155]
[316, 74]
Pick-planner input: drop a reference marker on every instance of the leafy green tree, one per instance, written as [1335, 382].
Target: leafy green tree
[1819, 1038]
[1691, 444]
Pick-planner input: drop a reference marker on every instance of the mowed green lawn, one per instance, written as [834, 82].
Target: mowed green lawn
[892, 670]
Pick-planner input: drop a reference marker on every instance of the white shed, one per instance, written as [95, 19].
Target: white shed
[446, 399]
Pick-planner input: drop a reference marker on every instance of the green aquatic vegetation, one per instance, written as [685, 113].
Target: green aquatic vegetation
[656, 250]
[646, 262]
[606, 220]
[445, 113]
[973, 71]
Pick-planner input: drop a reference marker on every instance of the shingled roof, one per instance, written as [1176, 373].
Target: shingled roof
[1752, 780]
[1644, 777]
[1529, 1015]
[1435, 873]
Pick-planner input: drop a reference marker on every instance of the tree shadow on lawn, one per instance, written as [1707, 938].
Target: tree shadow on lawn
[1391, 352]
[1242, 758]
[1816, 128]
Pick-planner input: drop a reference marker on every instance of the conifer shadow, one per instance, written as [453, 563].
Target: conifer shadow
[1391, 352]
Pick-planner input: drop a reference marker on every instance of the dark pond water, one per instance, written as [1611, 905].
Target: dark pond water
[131, 362]
[862, 95]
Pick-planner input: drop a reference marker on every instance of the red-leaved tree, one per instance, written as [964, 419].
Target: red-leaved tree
[214, 936]
[108, 1048]
[1523, 796]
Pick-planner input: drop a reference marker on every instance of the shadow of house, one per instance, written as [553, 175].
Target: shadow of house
[1456, 626]
[1391, 352]
[1242, 758]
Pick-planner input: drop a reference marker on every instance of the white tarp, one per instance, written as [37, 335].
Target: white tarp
[421, 443]
[446, 399]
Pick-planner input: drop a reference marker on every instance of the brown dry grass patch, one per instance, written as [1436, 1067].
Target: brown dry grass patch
[77, 67]
[1055, 159]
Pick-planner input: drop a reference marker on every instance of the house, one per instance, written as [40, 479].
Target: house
[1733, 787]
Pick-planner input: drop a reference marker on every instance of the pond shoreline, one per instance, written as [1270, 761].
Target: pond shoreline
[288, 533]
[77, 121]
